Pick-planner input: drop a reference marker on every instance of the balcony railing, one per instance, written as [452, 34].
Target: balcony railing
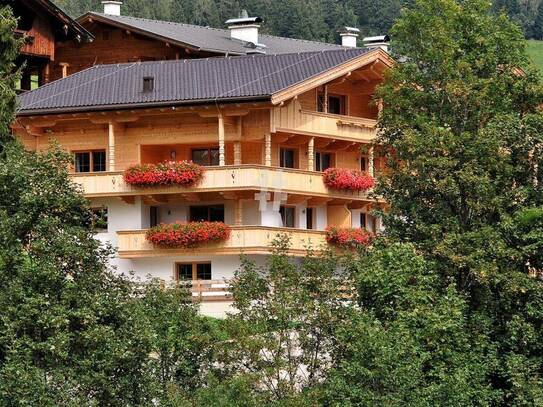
[243, 239]
[222, 179]
[208, 290]
[291, 118]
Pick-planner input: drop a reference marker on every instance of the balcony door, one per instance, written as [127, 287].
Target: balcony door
[206, 213]
[193, 271]
[205, 156]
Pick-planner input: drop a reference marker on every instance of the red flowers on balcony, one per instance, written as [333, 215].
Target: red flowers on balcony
[349, 238]
[347, 179]
[187, 235]
[184, 173]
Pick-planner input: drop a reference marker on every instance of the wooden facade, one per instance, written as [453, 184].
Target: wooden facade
[43, 27]
[115, 45]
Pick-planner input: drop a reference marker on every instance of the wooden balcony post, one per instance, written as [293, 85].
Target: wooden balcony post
[325, 101]
[237, 152]
[111, 146]
[64, 67]
[222, 160]
[239, 213]
[267, 149]
[370, 161]
[311, 154]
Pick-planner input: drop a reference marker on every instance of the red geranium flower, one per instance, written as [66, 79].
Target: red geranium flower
[184, 173]
[187, 234]
[347, 179]
[350, 238]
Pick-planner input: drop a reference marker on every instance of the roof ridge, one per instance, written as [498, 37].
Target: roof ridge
[217, 58]
[161, 21]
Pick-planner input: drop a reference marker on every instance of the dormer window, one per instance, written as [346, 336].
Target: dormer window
[148, 83]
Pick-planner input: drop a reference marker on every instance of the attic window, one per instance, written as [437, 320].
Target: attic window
[148, 83]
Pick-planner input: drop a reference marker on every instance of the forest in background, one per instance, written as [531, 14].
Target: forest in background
[308, 19]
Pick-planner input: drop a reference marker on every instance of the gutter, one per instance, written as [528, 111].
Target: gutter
[142, 105]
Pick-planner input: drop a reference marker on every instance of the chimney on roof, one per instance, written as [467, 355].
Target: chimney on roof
[111, 7]
[348, 36]
[244, 28]
[380, 41]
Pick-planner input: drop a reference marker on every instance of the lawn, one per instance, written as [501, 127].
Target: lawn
[535, 49]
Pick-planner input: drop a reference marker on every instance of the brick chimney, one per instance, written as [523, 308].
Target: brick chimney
[111, 7]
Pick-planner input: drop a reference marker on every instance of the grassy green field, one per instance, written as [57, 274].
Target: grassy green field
[535, 49]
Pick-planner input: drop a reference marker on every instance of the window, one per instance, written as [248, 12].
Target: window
[153, 216]
[99, 219]
[206, 156]
[369, 222]
[87, 161]
[287, 216]
[309, 218]
[363, 163]
[363, 223]
[193, 271]
[286, 158]
[210, 213]
[203, 271]
[148, 83]
[323, 161]
[336, 104]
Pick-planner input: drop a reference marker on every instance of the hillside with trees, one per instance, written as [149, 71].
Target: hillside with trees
[308, 19]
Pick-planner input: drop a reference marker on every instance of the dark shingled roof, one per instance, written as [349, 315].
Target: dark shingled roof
[210, 39]
[254, 77]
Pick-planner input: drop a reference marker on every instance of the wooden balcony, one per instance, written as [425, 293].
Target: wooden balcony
[291, 118]
[244, 239]
[222, 179]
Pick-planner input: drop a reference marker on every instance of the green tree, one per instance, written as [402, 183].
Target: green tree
[282, 335]
[181, 341]
[463, 133]
[408, 343]
[70, 332]
[9, 50]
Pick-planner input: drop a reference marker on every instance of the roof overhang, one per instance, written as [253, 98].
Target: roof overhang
[60, 15]
[374, 56]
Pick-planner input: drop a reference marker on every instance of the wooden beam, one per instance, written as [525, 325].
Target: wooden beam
[311, 154]
[222, 160]
[128, 199]
[267, 150]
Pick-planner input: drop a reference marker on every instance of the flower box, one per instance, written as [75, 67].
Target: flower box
[349, 238]
[183, 173]
[187, 235]
[347, 179]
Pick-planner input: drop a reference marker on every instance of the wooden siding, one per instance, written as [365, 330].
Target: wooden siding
[243, 239]
[41, 41]
[112, 46]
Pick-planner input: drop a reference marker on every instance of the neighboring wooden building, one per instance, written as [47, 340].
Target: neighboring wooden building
[44, 27]
[265, 127]
[121, 39]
